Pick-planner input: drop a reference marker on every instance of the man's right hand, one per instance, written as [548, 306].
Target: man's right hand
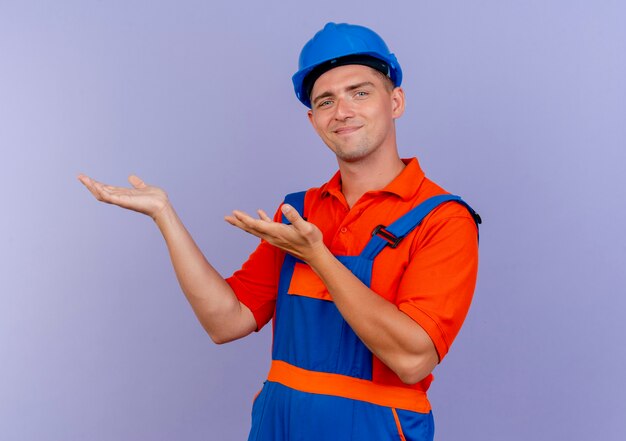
[211, 297]
[142, 198]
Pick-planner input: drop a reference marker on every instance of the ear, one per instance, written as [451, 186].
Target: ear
[397, 102]
[311, 120]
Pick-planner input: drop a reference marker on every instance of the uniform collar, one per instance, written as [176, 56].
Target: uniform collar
[404, 185]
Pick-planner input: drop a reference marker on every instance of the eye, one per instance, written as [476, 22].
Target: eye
[361, 94]
[325, 103]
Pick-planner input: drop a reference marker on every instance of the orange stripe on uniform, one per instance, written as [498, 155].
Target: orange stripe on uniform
[348, 387]
[400, 432]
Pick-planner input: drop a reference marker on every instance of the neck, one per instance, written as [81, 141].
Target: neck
[368, 174]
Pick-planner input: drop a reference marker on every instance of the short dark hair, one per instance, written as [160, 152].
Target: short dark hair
[386, 80]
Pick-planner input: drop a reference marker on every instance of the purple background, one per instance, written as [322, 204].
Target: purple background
[520, 107]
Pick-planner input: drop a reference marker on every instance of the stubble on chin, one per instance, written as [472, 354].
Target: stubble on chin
[354, 154]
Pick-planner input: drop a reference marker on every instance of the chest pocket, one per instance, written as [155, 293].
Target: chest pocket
[305, 283]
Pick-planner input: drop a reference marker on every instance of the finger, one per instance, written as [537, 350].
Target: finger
[87, 182]
[92, 186]
[235, 222]
[240, 219]
[232, 219]
[293, 216]
[246, 219]
[109, 193]
[136, 181]
[258, 227]
[84, 179]
[263, 215]
[241, 215]
[102, 194]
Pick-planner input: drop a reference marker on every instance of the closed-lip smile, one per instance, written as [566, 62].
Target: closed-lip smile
[344, 130]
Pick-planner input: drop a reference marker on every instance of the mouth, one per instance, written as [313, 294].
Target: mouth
[346, 130]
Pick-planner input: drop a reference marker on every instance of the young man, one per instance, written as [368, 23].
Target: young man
[367, 278]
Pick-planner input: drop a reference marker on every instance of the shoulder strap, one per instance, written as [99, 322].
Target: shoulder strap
[296, 200]
[383, 236]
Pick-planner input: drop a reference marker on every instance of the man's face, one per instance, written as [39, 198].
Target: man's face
[353, 108]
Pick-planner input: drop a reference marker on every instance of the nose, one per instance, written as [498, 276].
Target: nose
[343, 109]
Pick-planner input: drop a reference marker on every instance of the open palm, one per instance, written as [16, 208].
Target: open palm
[143, 198]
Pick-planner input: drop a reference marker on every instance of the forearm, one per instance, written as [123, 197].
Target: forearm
[212, 299]
[391, 335]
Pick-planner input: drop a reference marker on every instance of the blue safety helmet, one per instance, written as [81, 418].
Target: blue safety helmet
[338, 45]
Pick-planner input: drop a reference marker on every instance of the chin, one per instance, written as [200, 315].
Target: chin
[353, 155]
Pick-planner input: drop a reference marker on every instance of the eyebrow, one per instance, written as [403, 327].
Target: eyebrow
[328, 93]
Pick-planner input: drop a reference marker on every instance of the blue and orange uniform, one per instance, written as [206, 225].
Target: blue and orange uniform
[324, 383]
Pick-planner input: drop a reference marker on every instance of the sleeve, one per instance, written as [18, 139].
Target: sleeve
[256, 283]
[437, 287]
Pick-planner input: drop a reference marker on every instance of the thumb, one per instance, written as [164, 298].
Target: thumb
[136, 181]
[292, 216]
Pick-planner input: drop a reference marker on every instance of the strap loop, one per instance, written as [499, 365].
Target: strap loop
[391, 238]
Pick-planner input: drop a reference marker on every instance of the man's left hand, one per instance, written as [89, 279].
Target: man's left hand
[302, 239]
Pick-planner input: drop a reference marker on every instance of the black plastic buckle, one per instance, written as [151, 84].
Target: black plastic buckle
[381, 231]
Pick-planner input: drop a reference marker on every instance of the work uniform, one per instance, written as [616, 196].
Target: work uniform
[324, 384]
